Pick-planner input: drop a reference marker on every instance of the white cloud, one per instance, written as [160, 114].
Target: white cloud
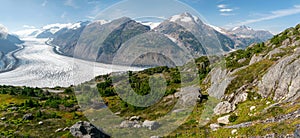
[44, 3]
[28, 26]
[71, 3]
[226, 10]
[222, 6]
[273, 15]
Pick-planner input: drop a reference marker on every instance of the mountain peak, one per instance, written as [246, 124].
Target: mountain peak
[3, 31]
[242, 27]
[184, 17]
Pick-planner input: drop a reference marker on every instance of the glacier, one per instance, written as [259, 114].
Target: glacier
[39, 66]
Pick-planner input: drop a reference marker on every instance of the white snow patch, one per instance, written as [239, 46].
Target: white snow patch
[175, 18]
[182, 18]
[235, 28]
[152, 25]
[56, 27]
[27, 32]
[221, 30]
[74, 26]
[186, 19]
[101, 22]
[171, 38]
[245, 36]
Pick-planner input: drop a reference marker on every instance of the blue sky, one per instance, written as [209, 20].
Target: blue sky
[272, 15]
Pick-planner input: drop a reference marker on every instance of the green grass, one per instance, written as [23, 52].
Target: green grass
[248, 75]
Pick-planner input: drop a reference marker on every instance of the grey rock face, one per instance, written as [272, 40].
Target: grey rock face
[255, 58]
[86, 129]
[219, 80]
[282, 79]
[188, 96]
[223, 108]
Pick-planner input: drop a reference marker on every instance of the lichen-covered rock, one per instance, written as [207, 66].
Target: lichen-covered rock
[282, 80]
[224, 108]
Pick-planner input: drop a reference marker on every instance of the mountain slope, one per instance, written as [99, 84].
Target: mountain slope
[100, 40]
[259, 84]
[67, 38]
[211, 40]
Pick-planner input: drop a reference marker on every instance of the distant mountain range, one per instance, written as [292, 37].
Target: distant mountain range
[8, 42]
[102, 40]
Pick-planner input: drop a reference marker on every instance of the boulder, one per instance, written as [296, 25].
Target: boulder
[214, 127]
[224, 108]
[234, 131]
[255, 58]
[252, 108]
[151, 125]
[14, 108]
[188, 96]
[86, 129]
[297, 133]
[58, 130]
[274, 52]
[224, 120]
[28, 116]
[65, 129]
[41, 123]
[134, 118]
[128, 124]
[239, 98]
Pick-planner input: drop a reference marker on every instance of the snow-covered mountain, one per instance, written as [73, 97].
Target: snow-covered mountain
[184, 30]
[3, 31]
[248, 32]
[8, 44]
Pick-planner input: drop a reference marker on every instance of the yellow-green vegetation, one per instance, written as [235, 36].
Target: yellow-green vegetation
[56, 111]
[248, 75]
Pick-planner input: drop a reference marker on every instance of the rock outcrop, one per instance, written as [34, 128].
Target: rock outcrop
[86, 129]
[282, 80]
[219, 80]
